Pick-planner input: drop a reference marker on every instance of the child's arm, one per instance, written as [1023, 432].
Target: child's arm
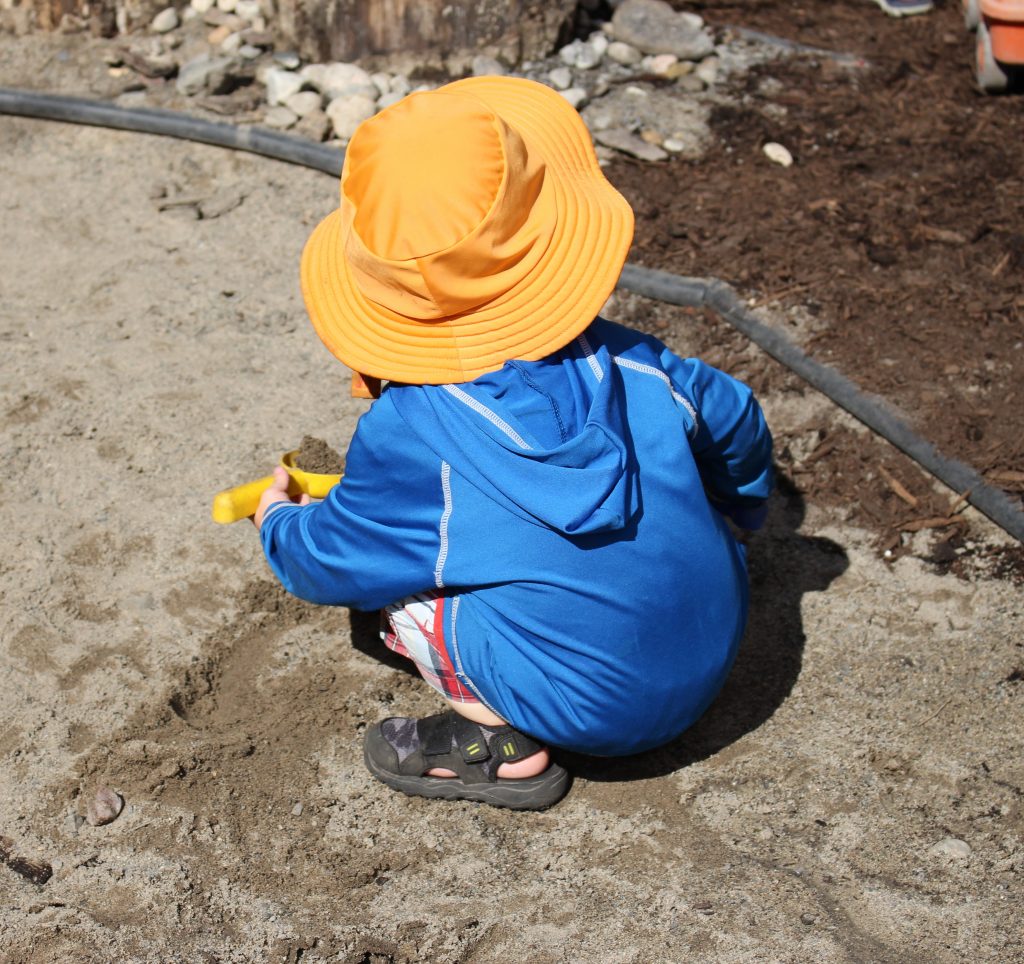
[375, 538]
[728, 434]
[732, 443]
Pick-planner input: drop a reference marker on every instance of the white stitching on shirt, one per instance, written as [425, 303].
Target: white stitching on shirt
[442, 553]
[595, 365]
[651, 370]
[488, 414]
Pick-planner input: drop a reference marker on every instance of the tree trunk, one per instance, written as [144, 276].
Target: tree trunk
[435, 32]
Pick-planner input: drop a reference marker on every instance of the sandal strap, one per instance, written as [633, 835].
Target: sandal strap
[476, 744]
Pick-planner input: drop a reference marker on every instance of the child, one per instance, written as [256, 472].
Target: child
[537, 497]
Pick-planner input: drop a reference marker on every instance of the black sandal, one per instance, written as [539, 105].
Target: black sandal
[399, 751]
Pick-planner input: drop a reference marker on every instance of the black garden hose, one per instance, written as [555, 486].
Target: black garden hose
[659, 285]
[169, 123]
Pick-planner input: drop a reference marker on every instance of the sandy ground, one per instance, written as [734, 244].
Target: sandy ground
[149, 359]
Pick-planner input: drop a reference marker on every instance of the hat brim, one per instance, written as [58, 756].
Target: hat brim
[553, 305]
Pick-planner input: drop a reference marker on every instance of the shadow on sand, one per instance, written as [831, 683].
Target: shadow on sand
[783, 565]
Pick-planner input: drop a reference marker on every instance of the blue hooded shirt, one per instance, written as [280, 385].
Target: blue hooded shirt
[566, 508]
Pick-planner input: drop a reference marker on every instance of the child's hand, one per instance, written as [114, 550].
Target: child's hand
[276, 492]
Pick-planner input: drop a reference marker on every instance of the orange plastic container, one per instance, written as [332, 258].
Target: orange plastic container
[999, 44]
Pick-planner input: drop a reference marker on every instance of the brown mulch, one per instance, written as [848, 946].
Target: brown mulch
[900, 228]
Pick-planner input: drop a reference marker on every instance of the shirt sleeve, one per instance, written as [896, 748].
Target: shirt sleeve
[376, 537]
[732, 443]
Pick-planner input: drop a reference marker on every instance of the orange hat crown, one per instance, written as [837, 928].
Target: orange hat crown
[475, 226]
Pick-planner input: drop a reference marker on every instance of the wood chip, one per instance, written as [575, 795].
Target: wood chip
[936, 522]
[959, 503]
[1000, 265]
[821, 450]
[897, 487]
[1010, 475]
[941, 235]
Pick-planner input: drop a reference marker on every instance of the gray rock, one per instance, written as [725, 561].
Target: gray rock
[580, 54]
[635, 108]
[707, 70]
[653, 27]
[72, 823]
[203, 73]
[487, 67]
[347, 113]
[280, 118]
[382, 82]
[599, 42]
[690, 84]
[303, 103]
[622, 140]
[232, 43]
[165, 21]
[388, 99]
[104, 808]
[218, 18]
[150, 62]
[780, 154]
[249, 52]
[661, 65]
[625, 54]
[287, 59]
[228, 6]
[400, 85]
[561, 78]
[201, 6]
[576, 96]
[950, 848]
[248, 9]
[339, 80]
[315, 126]
[281, 84]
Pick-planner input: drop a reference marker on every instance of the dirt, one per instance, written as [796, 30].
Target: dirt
[873, 716]
[315, 455]
[899, 230]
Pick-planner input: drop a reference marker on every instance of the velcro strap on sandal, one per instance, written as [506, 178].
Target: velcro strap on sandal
[509, 745]
[435, 733]
[475, 743]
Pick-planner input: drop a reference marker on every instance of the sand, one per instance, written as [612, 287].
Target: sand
[151, 359]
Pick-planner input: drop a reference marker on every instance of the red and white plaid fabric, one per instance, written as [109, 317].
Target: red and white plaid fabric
[414, 627]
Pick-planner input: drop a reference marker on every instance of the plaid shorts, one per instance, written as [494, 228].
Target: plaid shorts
[414, 627]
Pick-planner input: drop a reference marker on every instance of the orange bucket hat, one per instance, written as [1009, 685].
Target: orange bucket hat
[475, 227]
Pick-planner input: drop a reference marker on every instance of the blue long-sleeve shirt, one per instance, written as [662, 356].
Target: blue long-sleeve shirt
[596, 596]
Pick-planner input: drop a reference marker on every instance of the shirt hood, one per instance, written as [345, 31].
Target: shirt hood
[548, 439]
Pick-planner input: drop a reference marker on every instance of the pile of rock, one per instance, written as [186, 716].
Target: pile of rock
[637, 80]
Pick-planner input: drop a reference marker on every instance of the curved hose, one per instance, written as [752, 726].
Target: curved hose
[721, 298]
[659, 285]
[169, 123]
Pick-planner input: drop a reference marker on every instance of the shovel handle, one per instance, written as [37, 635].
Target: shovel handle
[239, 502]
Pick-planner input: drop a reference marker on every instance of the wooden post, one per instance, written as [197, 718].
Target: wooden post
[429, 31]
[433, 33]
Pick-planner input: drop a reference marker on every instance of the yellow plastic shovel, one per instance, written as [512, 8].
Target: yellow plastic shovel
[241, 501]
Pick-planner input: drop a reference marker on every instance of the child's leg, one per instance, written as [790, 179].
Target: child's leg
[415, 629]
[479, 713]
